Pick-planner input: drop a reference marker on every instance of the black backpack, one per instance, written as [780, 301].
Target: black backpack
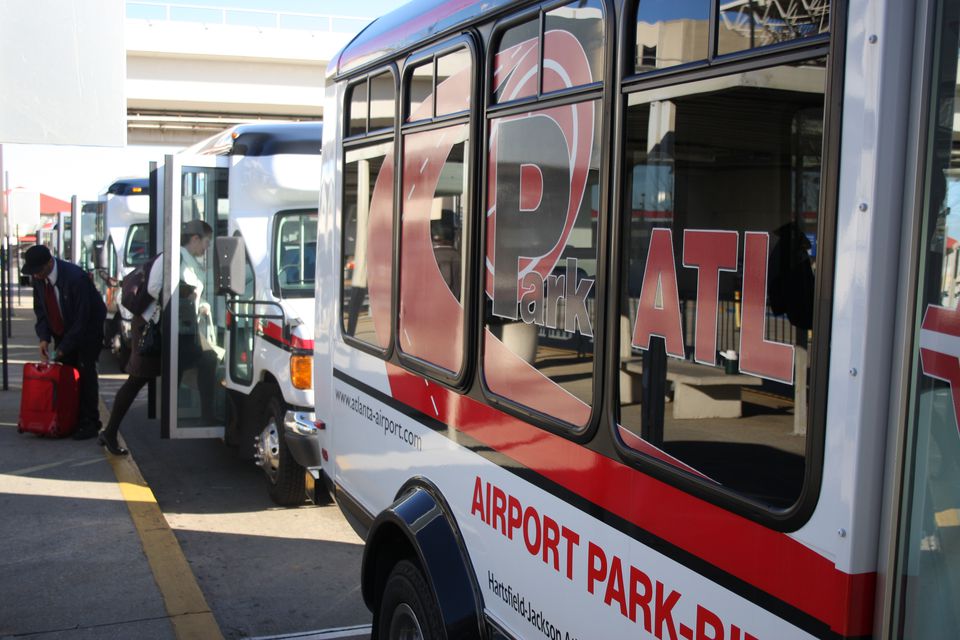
[133, 289]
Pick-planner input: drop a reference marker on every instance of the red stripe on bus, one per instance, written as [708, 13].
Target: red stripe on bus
[275, 332]
[768, 560]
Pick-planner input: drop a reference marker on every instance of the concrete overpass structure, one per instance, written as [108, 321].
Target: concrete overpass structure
[193, 71]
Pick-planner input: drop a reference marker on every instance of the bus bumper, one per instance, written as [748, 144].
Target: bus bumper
[303, 438]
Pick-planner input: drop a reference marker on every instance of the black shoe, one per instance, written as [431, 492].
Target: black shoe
[111, 445]
[84, 434]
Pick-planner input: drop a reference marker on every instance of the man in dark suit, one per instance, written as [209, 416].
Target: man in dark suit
[70, 313]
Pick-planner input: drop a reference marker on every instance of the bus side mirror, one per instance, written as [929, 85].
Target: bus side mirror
[229, 274]
[99, 258]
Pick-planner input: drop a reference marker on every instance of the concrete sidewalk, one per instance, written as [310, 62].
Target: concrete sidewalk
[86, 553]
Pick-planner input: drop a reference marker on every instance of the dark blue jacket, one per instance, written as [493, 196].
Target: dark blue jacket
[81, 306]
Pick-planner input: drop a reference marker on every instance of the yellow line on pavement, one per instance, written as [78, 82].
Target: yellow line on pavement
[190, 616]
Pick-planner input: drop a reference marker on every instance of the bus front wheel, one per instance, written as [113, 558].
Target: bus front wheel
[285, 476]
[407, 611]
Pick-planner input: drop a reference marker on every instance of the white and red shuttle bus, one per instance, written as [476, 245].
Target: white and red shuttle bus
[246, 374]
[635, 319]
[122, 234]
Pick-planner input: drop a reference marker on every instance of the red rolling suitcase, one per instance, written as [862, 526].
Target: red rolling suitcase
[50, 399]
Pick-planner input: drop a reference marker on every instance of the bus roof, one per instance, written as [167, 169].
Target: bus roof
[263, 140]
[415, 21]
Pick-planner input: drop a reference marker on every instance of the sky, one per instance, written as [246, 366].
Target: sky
[65, 171]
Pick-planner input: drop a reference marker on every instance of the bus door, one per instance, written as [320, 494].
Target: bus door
[76, 226]
[192, 396]
[155, 226]
[63, 236]
[924, 588]
[155, 215]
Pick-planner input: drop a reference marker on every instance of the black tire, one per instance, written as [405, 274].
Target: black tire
[407, 610]
[232, 434]
[285, 477]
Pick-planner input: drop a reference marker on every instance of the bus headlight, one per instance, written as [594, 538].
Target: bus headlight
[301, 371]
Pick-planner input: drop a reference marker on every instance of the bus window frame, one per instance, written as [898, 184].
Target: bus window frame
[358, 141]
[275, 286]
[830, 46]
[460, 380]
[604, 94]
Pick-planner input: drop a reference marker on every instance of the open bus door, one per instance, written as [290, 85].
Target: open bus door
[63, 236]
[76, 225]
[155, 226]
[192, 397]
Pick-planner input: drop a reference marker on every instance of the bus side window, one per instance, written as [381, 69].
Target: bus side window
[366, 248]
[719, 243]
[682, 37]
[749, 25]
[434, 214]
[543, 220]
[520, 45]
[575, 27]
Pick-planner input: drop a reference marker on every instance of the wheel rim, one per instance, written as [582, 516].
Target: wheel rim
[404, 624]
[268, 450]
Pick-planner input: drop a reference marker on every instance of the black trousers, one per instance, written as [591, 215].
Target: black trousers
[86, 364]
[121, 404]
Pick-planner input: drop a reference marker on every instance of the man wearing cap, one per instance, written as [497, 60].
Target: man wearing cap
[70, 314]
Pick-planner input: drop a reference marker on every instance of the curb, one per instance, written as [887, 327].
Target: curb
[189, 614]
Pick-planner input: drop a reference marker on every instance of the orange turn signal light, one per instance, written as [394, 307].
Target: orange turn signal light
[301, 371]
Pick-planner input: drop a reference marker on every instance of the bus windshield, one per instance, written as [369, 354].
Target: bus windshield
[137, 250]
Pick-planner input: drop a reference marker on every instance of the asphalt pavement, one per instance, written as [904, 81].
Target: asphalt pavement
[86, 551]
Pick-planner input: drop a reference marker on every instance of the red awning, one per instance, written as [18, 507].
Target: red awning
[49, 204]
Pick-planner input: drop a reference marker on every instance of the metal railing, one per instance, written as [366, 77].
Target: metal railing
[257, 18]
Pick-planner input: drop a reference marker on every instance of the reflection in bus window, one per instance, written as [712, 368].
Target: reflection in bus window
[420, 90]
[718, 272]
[201, 398]
[454, 82]
[519, 46]
[575, 27]
[138, 245]
[671, 33]
[541, 314]
[431, 301]
[748, 24]
[367, 217]
[295, 254]
[357, 116]
[382, 101]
